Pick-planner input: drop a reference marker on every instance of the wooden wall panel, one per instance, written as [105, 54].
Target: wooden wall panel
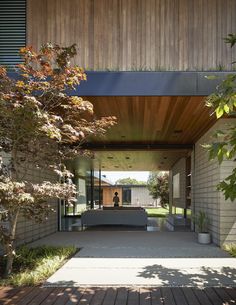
[108, 194]
[137, 34]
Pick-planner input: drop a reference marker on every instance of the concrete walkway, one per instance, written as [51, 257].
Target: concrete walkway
[141, 259]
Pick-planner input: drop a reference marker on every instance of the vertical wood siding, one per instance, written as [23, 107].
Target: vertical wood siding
[136, 34]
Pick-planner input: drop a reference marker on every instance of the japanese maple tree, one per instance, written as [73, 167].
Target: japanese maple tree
[40, 127]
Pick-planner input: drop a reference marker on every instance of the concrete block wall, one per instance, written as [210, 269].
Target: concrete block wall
[28, 230]
[140, 196]
[227, 209]
[206, 175]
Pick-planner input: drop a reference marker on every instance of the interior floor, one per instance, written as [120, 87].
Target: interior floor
[154, 224]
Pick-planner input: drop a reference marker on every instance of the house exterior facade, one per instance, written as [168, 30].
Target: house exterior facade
[129, 195]
[146, 63]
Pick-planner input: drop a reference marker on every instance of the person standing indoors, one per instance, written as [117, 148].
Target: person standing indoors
[116, 200]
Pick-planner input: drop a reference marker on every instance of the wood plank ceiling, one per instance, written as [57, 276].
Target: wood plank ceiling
[149, 120]
[169, 120]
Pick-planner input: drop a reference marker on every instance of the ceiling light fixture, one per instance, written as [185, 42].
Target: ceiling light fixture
[178, 131]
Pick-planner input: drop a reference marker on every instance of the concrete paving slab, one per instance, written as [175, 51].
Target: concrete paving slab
[141, 259]
[134, 244]
[145, 272]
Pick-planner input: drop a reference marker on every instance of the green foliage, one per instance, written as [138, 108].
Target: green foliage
[231, 39]
[34, 265]
[158, 186]
[231, 248]
[223, 102]
[157, 212]
[201, 221]
[130, 181]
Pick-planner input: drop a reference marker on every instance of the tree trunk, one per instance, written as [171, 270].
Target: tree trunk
[8, 241]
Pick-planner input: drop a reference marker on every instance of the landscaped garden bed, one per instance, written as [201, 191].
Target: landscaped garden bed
[32, 266]
[231, 249]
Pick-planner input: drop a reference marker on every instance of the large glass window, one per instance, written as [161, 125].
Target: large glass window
[126, 196]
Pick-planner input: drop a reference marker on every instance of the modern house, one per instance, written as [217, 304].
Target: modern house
[129, 195]
[146, 63]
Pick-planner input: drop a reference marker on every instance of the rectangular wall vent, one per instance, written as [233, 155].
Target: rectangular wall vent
[12, 31]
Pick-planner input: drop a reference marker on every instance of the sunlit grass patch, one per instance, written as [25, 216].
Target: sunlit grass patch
[32, 266]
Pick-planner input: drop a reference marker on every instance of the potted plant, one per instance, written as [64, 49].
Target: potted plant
[202, 222]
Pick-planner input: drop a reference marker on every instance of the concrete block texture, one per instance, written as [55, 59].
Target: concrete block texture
[28, 230]
[206, 175]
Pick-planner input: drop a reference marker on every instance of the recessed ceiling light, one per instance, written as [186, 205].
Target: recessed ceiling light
[178, 131]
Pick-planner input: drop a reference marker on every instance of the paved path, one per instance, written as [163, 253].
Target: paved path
[137, 244]
[117, 296]
[151, 259]
[145, 272]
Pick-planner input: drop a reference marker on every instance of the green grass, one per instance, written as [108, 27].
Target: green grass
[231, 249]
[157, 212]
[32, 266]
[162, 212]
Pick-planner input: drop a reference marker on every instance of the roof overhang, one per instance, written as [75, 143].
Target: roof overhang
[167, 83]
[138, 83]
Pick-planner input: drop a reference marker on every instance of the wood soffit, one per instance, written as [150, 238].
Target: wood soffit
[151, 133]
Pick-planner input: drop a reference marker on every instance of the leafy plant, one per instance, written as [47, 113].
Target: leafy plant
[231, 248]
[130, 181]
[40, 127]
[231, 39]
[202, 222]
[223, 102]
[158, 186]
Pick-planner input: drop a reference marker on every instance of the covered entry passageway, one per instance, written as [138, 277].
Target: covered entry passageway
[153, 133]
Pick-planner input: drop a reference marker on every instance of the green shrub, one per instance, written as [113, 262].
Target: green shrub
[231, 249]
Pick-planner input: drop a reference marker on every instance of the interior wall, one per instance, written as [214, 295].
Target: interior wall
[207, 174]
[178, 168]
[108, 194]
[137, 35]
[81, 196]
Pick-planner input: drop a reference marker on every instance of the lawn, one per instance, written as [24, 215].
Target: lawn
[32, 266]
[157, 212]
[162, 212]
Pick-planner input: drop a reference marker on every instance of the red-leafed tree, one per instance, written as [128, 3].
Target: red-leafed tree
[40, 127]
